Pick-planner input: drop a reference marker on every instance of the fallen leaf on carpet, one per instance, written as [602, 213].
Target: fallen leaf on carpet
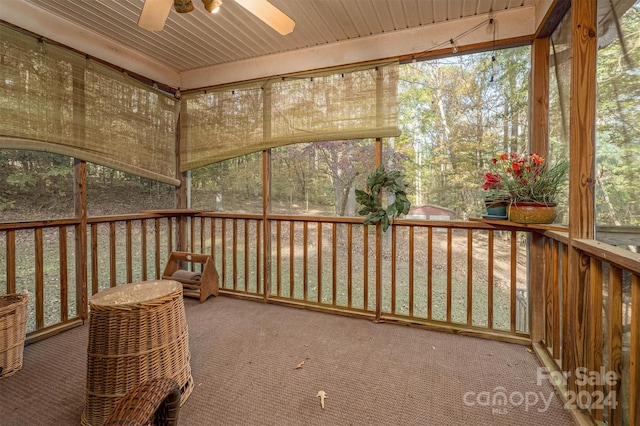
[322, 396]
[300, 364]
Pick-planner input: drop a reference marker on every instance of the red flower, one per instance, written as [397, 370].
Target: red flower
[491, 181]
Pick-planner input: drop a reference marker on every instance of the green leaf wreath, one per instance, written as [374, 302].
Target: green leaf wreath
[371, 201]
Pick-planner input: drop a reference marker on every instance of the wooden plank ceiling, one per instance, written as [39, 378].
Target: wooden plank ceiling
[199, 39]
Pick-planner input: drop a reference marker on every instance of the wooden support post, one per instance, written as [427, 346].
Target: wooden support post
[577, 342]
[266, 223]
[181, 191]
[80, 209]
[80, 195]
[378, 244]
[539, 143]
[266, 194]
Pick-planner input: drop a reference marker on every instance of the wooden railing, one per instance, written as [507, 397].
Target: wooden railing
[463, 277]
[409, 275]
[458, 276]
[40, 259]
[607, 388]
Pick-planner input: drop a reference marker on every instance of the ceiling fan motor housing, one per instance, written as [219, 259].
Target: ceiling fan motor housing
[182, 6]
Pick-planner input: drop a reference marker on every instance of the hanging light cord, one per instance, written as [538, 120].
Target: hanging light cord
[448, 42]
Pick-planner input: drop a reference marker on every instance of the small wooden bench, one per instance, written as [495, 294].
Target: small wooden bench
[198, 285]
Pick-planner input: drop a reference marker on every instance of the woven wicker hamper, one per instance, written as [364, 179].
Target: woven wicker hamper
[137, 332]
[13, 323]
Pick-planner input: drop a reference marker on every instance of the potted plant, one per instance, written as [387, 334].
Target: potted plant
[371, 201]
[495, 200]
[531, 185]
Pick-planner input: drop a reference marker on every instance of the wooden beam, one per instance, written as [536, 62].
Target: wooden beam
[266, 193]
[80, 209]
[80, 195]
[539, 139]
[266, 223]
[378, 244]
[181, 190]
[576, 342]
[553, 17]
[540, 96]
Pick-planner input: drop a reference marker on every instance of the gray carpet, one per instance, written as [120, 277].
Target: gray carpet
[243, 363]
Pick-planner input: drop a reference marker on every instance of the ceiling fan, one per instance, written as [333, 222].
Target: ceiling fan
[155, 12]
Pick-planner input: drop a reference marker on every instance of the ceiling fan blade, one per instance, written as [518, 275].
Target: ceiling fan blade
[269, 14]
[154, 14]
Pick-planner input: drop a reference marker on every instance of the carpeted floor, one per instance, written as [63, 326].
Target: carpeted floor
[243, 363]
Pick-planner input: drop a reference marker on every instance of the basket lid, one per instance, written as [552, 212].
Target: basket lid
[12, 299]
[133, 293]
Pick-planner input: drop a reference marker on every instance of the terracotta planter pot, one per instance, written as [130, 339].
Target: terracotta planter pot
[527, 212]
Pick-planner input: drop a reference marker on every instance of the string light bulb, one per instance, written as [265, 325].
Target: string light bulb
[454, 47]
[491, 26]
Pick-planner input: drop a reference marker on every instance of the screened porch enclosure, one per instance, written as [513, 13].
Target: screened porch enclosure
[568, 300]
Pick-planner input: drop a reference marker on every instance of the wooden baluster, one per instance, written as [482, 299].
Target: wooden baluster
[129, 252]
[64, 273]
[279, 258]
[39, 272]
[449, 274]
[305, 254]
[411, 266]
[94, 259]
[555, 299]
[11, 262]
[393, 269]
[246, 255]
[157, 247]
[334, 264]
[365, 267]
[258, 257]
[223, 276]
[143, 248]
[429, 272]
[292, 255]
[490, 282]
[634, 362]
[319, 228]
[112, 254]
[234, 253]
[470, 277]
[513, 285]
[615, 344]
[594, 354]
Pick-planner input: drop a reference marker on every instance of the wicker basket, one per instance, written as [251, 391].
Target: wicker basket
[137, 332]
[13, 323]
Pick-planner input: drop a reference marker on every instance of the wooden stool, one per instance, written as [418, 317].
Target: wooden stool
[200, 286]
